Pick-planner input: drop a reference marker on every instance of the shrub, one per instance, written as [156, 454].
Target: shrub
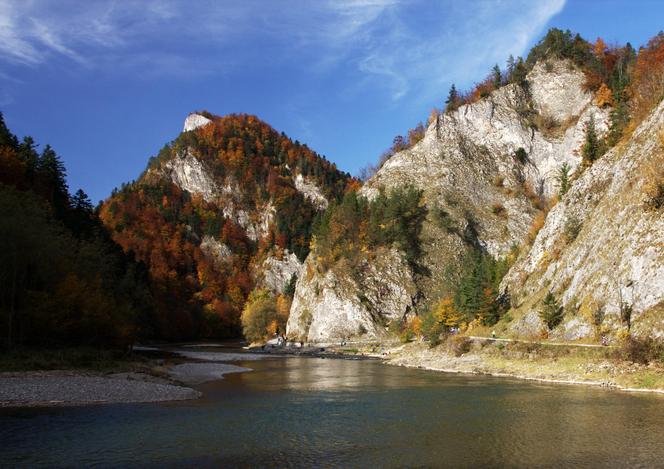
[551, 312]
[598, 315]
[443, 220]
[498, 180]
[536, 226]
[459, 345]
[546, 124]
[655, 195]
[654, 185]
[626, 314]
[432, 328]
[521, 155]
[407, 335]
[498, 209]
[642, 351]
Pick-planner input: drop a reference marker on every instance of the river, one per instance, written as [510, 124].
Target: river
[313, 412]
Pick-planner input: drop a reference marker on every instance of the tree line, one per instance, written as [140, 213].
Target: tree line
[62, 278]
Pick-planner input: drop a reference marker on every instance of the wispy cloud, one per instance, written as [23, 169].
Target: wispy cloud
[377, 39]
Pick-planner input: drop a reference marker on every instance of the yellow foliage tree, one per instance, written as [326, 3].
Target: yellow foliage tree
[264, 315]
[447, 314]
[604, 96]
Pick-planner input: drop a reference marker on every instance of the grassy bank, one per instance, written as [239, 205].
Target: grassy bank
[609, 367]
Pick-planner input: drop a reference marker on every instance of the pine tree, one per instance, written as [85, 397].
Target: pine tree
[519, 73]
[452, 101]
[563, 179]
[510, 68]
[51, 180]
[591, 148]
[497, 77]
[552, 312]
[6, 137]
[80, 201]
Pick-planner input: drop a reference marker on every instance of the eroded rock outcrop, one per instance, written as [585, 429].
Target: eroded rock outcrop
[277, 271]
[190, 174]
[332, 305]
[215, 250]
[311, 192]
[601, 246]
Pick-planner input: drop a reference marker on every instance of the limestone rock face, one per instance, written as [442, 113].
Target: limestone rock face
[557, 90]
[331, 306]
[194, 121]
[618, 254]
[190, 174]
[466, 166]
[278, 271]
[311, 192]
[215, 250]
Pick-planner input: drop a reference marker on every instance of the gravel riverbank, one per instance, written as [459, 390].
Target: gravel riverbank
[60, 388]
[80, 387]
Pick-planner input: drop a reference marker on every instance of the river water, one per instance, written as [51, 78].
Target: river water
[313, 412]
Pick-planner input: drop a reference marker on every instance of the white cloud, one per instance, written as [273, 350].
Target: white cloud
[405, 47]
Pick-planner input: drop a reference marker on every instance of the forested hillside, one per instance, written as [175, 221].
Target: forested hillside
[225, 208]
[63, 281]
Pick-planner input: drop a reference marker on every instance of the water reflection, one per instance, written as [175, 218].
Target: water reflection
[300, 412]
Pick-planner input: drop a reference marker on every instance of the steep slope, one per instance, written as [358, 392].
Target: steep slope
[484, 171]
[225, 207]
[601, 250]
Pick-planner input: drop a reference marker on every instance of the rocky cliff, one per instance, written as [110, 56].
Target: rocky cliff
[485, 171]
[601, 250]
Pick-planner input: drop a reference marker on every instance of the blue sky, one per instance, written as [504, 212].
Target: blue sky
[108, 83]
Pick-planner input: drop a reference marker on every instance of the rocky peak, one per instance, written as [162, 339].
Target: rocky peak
[194, 121]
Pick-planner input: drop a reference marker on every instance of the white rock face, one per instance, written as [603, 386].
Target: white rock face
[557, 89]
[194, 121]
[215, 250]
[311, 192]
[190, 174]
[277, 271]
[465, 165]
[256, 225]
[331, 306]
[619, 251]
